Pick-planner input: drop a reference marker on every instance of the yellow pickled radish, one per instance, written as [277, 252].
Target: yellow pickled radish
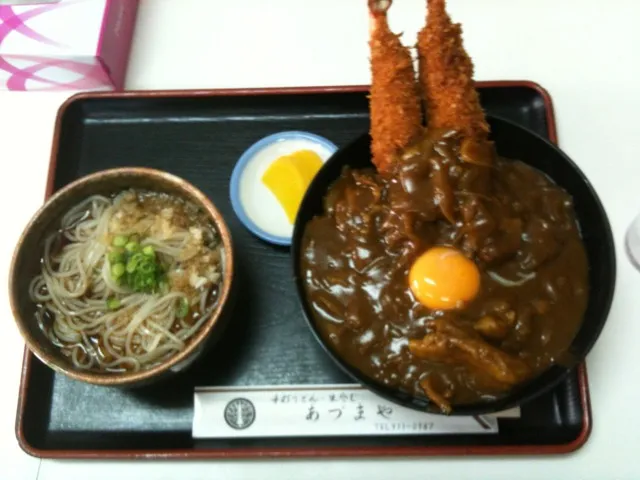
[289, 177]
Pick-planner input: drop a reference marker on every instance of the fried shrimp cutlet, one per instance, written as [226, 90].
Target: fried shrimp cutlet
[446, 76]
[396, 116]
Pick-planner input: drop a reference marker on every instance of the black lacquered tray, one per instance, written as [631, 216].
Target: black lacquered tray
[199, 136]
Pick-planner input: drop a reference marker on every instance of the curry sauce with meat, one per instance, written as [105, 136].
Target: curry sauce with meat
[516, 226]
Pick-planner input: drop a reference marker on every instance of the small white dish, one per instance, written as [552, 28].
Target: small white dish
[253, 203]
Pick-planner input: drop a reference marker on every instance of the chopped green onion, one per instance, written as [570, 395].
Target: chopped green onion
[132, 247]
[117, 270]
[147, 268]
[120, 241]
[183, 308]
[116, 256]
[139, 284]
[133, 262]
[113, 303]
[137, 268]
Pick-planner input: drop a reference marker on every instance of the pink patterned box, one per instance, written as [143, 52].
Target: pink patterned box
[65, 44]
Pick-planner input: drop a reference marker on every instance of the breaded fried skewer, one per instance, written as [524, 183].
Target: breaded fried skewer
[446, 76]
[396, 116]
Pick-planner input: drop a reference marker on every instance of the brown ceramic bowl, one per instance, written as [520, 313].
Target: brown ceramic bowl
[26, 264]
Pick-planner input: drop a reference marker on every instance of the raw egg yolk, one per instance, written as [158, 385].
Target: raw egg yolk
[289, 177]
[442, 278]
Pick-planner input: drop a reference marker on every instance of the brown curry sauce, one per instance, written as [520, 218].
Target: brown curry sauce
[511, 220]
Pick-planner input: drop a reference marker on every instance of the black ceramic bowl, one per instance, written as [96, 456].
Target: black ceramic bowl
[512, 141]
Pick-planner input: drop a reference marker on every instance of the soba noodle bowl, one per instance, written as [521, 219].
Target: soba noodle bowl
[127, 281]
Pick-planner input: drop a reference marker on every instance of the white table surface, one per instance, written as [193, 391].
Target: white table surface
[580, 50]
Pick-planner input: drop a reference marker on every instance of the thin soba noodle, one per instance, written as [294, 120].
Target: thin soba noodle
[127, 281]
